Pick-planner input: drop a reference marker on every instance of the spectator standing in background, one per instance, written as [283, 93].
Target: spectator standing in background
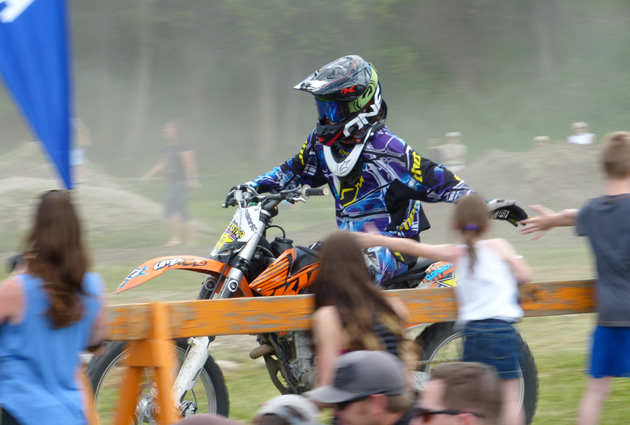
[453, 152]
[51, 310]
[541, 141]
[581, 135]
[181, 169]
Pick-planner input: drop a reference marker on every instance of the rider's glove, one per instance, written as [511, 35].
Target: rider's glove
[249, 186]
[502, 209]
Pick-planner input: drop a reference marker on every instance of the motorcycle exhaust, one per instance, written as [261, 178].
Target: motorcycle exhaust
[261, 350]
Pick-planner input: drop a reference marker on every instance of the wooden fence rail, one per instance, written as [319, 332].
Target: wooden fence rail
[149, 327]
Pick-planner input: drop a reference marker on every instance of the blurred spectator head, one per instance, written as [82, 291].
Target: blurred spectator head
[368, 386]
[470, 390]
[453, 137]
[541, 141]
[434, 143]
[616, 155]
[172, 131]
[579, 127]
[288, 409]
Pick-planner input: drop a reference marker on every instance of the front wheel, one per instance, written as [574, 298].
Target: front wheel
[440, 343]
[107, 372]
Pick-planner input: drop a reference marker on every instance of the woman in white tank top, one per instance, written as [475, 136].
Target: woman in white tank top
[488, 272]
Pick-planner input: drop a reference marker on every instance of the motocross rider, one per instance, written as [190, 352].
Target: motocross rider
[377, 180]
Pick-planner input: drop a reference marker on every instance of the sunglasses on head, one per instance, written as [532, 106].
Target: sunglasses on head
[427, 414]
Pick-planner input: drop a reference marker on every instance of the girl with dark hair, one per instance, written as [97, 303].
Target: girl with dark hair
[351, 313]
[488, 272]
[51, 309]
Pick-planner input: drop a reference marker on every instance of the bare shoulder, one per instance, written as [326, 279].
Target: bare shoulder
[501, 247]
[10, 298]
[327, 316]
[11, 286]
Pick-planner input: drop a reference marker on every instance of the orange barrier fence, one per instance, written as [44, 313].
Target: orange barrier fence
[149, 327]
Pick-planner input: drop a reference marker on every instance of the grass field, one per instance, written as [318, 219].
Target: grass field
[559, 344]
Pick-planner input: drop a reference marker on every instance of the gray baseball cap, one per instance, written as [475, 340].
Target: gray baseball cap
[360, 374]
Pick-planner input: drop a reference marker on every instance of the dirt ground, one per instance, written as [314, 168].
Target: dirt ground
[558, 176]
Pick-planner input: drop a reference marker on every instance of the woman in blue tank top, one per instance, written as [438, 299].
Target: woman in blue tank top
[51, 309]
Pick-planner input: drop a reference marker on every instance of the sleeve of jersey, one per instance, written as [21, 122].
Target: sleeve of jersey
[298, 170]
[433, 182]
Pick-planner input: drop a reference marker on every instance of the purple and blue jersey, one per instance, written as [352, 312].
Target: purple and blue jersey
[386, 191]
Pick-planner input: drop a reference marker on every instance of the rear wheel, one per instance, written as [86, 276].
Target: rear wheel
[107, 372]
[440, 343]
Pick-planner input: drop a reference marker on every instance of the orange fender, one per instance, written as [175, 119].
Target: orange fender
[156, 266]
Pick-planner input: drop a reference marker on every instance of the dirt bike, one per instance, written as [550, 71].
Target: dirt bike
[244, 263]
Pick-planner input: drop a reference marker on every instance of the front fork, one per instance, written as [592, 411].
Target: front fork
[195, 360]
[197, 354]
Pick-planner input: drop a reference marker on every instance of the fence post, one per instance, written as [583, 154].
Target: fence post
[157, 353]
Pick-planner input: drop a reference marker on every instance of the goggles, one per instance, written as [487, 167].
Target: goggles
[336, 112]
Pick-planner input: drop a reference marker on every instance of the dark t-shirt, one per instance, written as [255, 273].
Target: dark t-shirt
[605, 221]
[175, 171]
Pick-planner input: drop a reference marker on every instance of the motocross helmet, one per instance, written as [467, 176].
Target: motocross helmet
[348, 98]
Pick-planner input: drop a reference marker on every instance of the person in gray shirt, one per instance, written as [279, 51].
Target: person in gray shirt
[604, 220]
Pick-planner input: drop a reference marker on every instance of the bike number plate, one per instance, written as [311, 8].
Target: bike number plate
[243, 226]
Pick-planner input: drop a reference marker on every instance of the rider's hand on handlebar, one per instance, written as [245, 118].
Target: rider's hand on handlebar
[236, 194]
[502, 209]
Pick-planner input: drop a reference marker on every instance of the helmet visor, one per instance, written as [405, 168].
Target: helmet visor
[336, 112]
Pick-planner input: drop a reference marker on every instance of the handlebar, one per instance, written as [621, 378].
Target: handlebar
[320, 191]
[242, 194]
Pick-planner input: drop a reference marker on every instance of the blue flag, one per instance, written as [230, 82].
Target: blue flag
[35, 66]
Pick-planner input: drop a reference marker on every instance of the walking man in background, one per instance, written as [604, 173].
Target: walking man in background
[181, 169]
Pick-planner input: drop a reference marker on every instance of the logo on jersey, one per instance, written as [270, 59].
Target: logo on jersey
[348, 195]
[416, 171]
[302, 152]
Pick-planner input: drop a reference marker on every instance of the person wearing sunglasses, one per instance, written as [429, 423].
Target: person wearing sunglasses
[460, 394]
[369, 388]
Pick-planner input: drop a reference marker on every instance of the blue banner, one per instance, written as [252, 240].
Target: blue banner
[34, 44]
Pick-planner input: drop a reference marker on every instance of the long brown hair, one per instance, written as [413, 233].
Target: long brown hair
[343, 281]
[471, 219]
[54, 252]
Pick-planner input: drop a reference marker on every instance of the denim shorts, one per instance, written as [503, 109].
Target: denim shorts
[610, 353]
[496, 343]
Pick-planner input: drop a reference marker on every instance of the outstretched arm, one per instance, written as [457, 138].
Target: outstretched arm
[409, 246]
[155, 169]
[432, 182]
[548, 219]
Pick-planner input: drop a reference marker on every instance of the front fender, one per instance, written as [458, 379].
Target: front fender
[156, 266]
